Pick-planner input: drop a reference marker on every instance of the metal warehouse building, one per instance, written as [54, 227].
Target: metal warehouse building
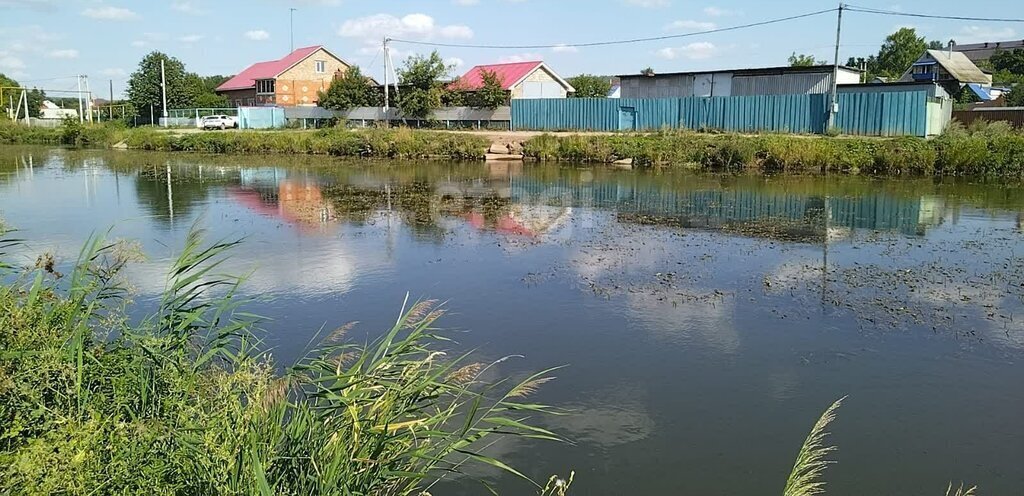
[741, 82]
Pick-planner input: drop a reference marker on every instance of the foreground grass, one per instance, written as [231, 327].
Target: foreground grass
[984, 149]
[371, 143]
[182, 402]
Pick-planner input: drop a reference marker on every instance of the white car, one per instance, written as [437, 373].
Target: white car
[219, 122]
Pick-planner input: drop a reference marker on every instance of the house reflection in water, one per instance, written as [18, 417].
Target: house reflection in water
[272, 192]
[784, 216]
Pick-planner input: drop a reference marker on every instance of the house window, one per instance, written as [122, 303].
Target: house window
[265, 86]
[321, 66]
[238, 102]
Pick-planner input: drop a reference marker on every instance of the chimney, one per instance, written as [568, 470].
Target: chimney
[952, 43]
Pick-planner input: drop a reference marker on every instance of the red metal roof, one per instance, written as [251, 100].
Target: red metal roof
[266, 70]
[507, 74]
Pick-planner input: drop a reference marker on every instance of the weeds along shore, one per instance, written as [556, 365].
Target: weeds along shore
[984, 149]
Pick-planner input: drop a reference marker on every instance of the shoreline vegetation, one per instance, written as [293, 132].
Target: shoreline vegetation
[984, 149]
[187, 400]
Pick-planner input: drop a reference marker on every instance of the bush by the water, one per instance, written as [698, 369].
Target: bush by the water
[984, 149]
[374, 143]
[184, 402]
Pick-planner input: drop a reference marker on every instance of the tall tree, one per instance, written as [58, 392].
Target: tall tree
[899, 51]
[351, 90]
[144, 84]
[801, 60]
[590, 86]
[422, 83]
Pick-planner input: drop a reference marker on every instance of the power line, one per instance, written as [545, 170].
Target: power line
[865, 10]
[618, 42]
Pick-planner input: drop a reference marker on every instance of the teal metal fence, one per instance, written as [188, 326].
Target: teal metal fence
[260, 117]
[883, 114]
[875, 114]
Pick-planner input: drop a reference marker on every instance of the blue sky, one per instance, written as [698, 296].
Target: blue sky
[105, 39]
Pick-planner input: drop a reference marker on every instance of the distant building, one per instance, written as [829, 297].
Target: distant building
[50, 110]
[739, 82]
[951, 69]
[520, 79]
[291, 81]
[978, 52]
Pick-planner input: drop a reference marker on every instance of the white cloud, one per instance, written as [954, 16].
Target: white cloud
[690, 25]
[520, 57]
[978, 34]
[694, 51]
[191, 38]
[372, 29]
[454, 62]
[110, 13]
[139, 43]
[66, 53]
[563, 48]
[649, 4]
[466, 3]
[187, 7]
[114, 72]
[257, 35]
[712, 11]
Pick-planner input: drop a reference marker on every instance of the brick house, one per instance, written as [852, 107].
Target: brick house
[291, 81]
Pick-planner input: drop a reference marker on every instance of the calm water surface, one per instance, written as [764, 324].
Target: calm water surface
[706, 320]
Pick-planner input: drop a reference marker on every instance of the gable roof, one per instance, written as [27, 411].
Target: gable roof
[957, 65]
[270, 69]
[509, 75]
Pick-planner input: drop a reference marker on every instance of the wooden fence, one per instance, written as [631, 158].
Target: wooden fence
[1014, 115]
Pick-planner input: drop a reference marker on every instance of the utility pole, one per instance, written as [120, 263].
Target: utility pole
[81, 118]
[163, 88]
[111, 102]
[834, 106]
[88, 98]
[291, 29]
[386, 91]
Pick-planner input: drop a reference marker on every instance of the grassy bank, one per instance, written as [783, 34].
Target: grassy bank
[984, 149]
[370, 143]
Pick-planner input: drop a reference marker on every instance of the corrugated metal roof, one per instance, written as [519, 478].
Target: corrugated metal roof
[508, 74]
[267, 70]
[959, 66]
[759, 71]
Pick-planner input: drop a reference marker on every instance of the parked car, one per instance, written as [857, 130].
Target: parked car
[219, 122]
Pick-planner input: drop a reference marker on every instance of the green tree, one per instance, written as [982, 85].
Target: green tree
[351, 90]
[801, 60]
[1016, 96]
[899, 51]
[144, 84]
[422, 86]
[590, 86]
[1009, 61]
[491, 95]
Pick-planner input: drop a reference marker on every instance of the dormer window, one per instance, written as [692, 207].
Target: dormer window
[265, 86]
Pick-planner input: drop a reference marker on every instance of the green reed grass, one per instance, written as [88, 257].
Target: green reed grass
[185, 401]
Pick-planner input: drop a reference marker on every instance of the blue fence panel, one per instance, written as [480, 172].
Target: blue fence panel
[883, 114]
[871, 114]
[260, 117]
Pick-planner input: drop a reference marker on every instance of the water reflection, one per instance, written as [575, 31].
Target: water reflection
[697, 313]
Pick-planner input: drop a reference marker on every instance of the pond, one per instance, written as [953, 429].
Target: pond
[705, 321]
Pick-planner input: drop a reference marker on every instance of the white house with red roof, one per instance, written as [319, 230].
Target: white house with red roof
[520, 79]
[290, 81]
